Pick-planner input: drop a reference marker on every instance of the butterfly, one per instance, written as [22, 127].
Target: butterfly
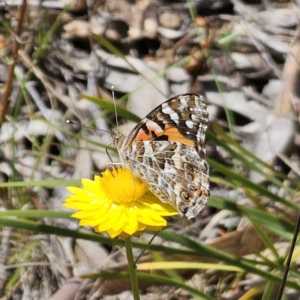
[167, 151]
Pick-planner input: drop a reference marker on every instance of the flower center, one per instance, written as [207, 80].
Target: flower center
[122, 186]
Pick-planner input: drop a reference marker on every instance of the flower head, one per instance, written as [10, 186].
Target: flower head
[118, 203]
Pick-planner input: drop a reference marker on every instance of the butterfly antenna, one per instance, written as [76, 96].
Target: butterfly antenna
[115, 106]
[86, 127]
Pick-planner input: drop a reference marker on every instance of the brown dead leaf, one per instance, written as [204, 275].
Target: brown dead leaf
[68, 290]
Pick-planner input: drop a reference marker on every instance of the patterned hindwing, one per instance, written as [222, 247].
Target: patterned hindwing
[181, 119]
[174, 172]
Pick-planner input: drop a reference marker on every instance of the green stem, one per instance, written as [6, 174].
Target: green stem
[132, 269]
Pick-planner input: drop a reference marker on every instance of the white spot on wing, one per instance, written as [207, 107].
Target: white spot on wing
[183, 101]
[189, 124]
[169, 111]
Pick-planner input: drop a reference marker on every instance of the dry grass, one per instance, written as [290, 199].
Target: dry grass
[59, 63]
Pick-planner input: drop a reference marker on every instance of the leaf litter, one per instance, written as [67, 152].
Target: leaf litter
[243, 56]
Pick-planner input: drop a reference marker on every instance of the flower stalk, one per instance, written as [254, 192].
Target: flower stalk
[132, 269]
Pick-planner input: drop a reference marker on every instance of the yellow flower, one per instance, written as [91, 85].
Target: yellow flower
[118, 203]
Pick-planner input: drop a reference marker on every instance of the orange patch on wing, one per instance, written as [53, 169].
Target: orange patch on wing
[172, 133]
[200, 193]
[175, 136]
[143, 136]
[152, 127]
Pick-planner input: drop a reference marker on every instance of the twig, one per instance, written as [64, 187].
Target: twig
[15, 49]
[4, 252]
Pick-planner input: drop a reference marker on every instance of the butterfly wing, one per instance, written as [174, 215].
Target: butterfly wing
[174, 172]
[182, 119]
[167, 149]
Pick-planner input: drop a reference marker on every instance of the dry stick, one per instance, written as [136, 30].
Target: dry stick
[11, 68]
[288, 261]
[4, 254]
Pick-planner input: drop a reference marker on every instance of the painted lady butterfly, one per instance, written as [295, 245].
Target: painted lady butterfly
[167, 150]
